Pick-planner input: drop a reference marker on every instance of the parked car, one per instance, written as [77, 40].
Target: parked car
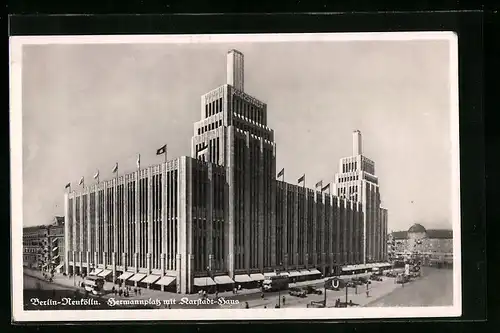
[297, 292]
[374, 277]
[312, 290]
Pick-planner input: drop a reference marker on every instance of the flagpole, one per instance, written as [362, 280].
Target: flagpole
[166, 150]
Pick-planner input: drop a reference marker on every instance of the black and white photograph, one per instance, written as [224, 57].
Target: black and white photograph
[219, 177]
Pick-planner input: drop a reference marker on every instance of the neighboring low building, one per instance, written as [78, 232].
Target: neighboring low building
[43, 246]
[433, 246]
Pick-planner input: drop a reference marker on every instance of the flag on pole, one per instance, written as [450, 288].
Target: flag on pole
[68, 185]
[281, 173]
[138, 161]
[326, 187]
[319, 184]
[162, 150]
[115, 168]
[302, 179]
[96, 176]
[81, 182]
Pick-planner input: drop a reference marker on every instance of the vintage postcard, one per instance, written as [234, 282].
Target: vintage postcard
[227, 177]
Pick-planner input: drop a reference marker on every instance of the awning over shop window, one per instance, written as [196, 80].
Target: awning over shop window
[204, 281]
[242, 278]
[151, 278]
[223, 279]
[59, 266]
[125, 276]
[314, 271]
[105, 273]
[54, 248]
[137, 277]
[165, 281]
[284, 274]
[55, 257]
[95, 272]
[269, 274]
[295, 273]
[304, 272]
[257, 277]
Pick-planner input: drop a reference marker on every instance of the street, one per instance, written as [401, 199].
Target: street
[435, 289]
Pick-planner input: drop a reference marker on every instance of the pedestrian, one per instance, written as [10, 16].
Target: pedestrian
[113, 289]
[139, 291]
[247, 306]
[265, 307]
[239, 287]
[283, 300]
[262, 295]
[120, 292]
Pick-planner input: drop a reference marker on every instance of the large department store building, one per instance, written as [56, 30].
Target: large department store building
[222, 216]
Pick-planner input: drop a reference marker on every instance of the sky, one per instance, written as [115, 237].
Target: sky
[86, 107]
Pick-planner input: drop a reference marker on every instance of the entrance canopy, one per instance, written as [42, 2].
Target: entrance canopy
[223, 279]
[105, 273]
[165, 281]
[137, 277]
[204, 281]
[242, 278]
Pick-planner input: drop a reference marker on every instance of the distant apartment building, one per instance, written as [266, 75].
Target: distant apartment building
[43, 246]
[434, 246]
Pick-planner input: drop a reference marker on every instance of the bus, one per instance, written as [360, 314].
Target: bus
[93, 284]
[273, 283]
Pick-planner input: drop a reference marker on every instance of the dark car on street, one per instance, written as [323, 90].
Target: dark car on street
[297, 292]
[374, 277]
[312, 290]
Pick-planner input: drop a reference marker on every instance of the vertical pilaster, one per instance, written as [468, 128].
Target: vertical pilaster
[296, 227]
[74, 245]
[164, 235]
[98, 223]
[126, 232]
[314, 230]
[322, 234]
[306, 227]
[137, 221]
[89, 229]
[81, 223]
[338, 249]
[247, 175]
[210, 214]
[150, 220]
[105, 233]
[229, 225]
[66, 233]
[331, 231]
[285, 239]
[184, 244]
[115, 227]
[273, 184]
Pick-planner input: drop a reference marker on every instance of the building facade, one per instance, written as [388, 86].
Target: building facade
[44, 246]
[356, 180]
[433, 246]
[220, 216]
